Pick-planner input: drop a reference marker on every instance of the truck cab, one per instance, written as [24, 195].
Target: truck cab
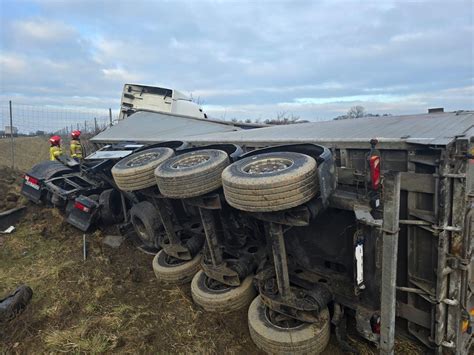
[157, 99]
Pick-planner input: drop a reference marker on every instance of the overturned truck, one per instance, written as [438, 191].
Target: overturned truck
[304, 224]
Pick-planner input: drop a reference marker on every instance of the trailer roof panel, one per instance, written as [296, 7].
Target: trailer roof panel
[432, 129]
[153, 127]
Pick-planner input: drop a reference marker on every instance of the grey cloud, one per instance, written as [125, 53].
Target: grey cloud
[252, 58]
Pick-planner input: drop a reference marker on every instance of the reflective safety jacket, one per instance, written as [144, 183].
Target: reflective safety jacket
[54, 152]
[76, 148]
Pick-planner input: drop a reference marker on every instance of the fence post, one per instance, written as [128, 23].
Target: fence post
[110, 116]
[11, 136]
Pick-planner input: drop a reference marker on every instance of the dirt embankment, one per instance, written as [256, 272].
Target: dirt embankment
[10, 189]
[110, 302]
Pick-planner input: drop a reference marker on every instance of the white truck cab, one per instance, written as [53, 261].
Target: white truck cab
[157, 99]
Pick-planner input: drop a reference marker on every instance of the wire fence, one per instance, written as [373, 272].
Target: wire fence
[25, 129]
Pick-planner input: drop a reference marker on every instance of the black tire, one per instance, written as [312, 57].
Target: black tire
[110, 207]
[69, 207]
[225, 299]
[270, 182]
[173, 271]
[191, 174]
[304, 338]
[146, 223]
[135, 172]
[15, 303]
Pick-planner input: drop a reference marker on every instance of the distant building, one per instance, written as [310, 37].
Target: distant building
[11, 130]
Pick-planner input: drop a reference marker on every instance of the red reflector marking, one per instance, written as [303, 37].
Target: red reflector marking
[376, 329]
[375, 323]
[375, 171]
[81, 207]
[31, 181]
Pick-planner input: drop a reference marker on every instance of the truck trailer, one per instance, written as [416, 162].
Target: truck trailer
[303, 225]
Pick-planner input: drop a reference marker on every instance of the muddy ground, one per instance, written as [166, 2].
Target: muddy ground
[10, 189]
[111, 301]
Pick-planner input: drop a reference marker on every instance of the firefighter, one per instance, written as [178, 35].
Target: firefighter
[55, 150]
[76, 147]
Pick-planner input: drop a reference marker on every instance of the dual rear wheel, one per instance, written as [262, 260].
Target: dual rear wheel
[270, 182]
[135, 172]
[187, 175]
[262, 183]
[266, 183]
[191, 174]
[276, 334]
[175, 271]
[214, 296]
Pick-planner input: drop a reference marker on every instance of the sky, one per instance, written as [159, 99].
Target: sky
[242, 59]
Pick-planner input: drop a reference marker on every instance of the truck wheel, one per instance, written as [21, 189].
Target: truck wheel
[288, 337]
[270, 182]
[146, 223]
[110, 207]
[15, 303]
[135, 172]
[191, 174]
[69, 207]
[174, 271]
[214, 296]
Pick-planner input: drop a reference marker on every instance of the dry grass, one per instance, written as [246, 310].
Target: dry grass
[110, 302]
[28, 151]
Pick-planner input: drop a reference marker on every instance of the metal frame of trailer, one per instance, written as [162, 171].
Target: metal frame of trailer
[416, 233]
[429, 237]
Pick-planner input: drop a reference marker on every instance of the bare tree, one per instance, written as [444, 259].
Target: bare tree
[283, 118]
[359, 111]
[356, 112]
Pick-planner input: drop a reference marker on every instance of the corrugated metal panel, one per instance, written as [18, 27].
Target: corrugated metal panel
[148, 127]
[436, 129]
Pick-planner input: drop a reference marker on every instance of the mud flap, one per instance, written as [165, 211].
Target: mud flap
[84, 213]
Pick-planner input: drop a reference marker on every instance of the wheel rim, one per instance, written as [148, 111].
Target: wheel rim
[281, 321]
[215, 286]
[190, 161]
[141, 231]
[267, 166]
[170, 261]
[143, 159]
